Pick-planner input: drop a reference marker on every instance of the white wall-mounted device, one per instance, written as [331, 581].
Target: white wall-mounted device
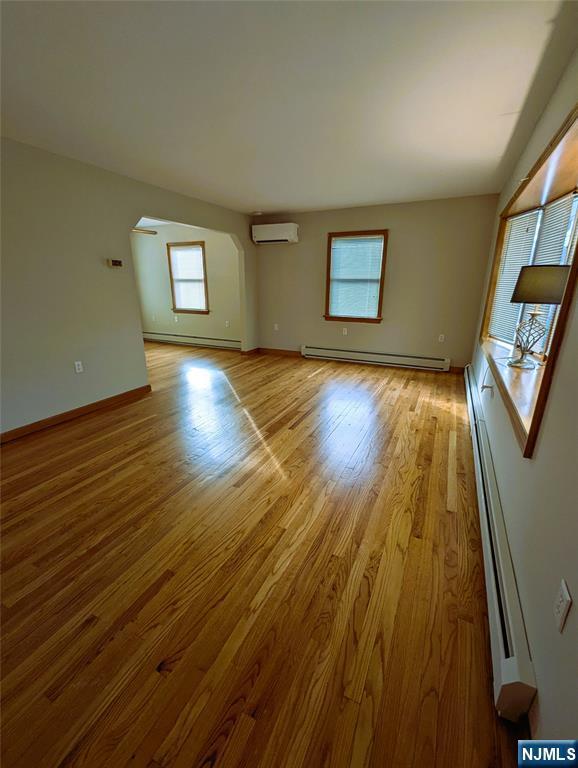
[275, 233]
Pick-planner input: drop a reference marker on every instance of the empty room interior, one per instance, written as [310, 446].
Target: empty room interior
[289, 368]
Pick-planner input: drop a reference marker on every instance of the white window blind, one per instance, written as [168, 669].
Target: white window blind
[573, 234]
[517, 253]
[553, 247]
[355, 276]
[188, 277]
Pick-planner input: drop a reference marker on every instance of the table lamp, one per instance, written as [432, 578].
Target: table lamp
[541, 284]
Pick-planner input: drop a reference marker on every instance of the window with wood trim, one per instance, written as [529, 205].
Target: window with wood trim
[188, 274]
[547, 194]
[546, 235]
[355, 272]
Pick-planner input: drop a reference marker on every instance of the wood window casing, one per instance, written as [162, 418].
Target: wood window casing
[184, 310]
[551, 177]
[361, 233]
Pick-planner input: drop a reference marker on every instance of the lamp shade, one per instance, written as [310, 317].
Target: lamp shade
[541, 284]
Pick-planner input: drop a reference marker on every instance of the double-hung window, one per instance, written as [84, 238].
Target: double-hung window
[542, 236]
[355, 272]
[188, 275]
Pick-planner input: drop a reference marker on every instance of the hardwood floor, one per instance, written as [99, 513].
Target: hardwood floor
[267, 562]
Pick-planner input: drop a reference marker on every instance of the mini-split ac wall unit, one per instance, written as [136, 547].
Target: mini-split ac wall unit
[275, 233]
[513, 671]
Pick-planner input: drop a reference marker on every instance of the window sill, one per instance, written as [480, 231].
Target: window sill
[190, 311]
[519, 388]
[354, 319]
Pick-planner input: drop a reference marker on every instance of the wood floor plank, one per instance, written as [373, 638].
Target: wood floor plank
[269, 561]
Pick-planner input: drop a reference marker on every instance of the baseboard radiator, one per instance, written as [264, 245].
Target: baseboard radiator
[193, 341]
[513, 671]
[377, 358]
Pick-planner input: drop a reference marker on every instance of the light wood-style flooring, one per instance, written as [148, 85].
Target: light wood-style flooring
[267, 562]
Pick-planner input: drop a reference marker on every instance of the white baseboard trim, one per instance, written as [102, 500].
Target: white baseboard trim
[377, 358]
[192, 341]
[513, 671]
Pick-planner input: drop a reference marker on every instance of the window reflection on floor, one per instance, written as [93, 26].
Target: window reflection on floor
[348, 412]
[212, 428]
[221, 435]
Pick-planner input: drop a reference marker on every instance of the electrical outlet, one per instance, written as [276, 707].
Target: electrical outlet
[176, 318]
[562, 605]
[441, 338]
[227, 323]
[344, 331]
[154, 317]
[275, 326]
[78, 366]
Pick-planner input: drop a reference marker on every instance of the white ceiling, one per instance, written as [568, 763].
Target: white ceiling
[285, 106]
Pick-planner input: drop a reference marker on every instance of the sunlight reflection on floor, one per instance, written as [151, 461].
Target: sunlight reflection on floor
[219, 426]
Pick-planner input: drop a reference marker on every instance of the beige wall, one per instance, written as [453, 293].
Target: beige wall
[154, 287]
[436, 258]
[539, 495]
[61, 219]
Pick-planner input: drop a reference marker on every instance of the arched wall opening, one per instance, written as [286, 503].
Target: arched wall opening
[222, 323]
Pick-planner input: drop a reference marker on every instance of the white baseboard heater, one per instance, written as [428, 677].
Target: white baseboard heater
[194, 341]
[377, 358]
[513, 672]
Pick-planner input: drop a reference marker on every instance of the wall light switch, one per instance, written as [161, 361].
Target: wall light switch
[562, 605]
[78, 366]
[275, 326]
[344, 331]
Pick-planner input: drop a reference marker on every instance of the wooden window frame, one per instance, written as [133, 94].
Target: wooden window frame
[516, 390]
[361, 233]
[179, 310]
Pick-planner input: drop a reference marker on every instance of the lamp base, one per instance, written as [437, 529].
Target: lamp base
[528, 333]
[521, 362]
